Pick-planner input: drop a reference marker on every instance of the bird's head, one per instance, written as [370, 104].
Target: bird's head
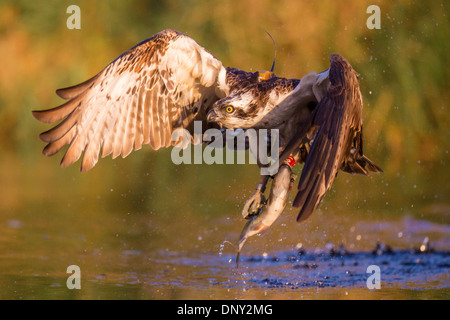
[237, 111]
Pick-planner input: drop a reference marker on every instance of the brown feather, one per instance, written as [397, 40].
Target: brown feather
[62, 128]
[140, 98]
[53, 147]
[339, 119]
[75, 91]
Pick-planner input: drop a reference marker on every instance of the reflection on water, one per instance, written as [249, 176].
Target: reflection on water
[157, 231]
[280, 275]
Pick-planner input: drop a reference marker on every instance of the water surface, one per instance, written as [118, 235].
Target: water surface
[134, 243]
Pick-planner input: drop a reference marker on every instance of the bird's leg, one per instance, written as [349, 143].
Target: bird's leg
[254, 204]
[281, 185]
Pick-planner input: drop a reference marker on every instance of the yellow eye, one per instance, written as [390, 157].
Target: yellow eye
[229, 109]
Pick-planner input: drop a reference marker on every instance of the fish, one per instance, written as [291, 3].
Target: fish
[279, 193]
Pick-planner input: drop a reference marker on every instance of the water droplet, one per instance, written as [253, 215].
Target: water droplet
[15, 224]
[222, 246]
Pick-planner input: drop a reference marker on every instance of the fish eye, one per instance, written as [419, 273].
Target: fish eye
[229, 109]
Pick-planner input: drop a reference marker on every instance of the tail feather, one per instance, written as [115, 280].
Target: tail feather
[362, 165]
[370, 165]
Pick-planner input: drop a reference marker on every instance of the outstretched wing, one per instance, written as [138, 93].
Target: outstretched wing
[338, 143]
[163, 83]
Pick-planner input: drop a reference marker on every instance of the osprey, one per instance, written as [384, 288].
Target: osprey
[168, 81]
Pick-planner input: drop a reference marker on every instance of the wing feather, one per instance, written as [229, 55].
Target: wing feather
[139, 98]
[53, 147]
[118, 131]
[108, 133]
[128, 128]
[75, 91]
[139, 121]
[339, 122]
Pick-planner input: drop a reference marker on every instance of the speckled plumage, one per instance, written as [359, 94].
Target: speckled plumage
[168, 81]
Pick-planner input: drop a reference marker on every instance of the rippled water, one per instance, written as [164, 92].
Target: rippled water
[146, 234]
[204, 268]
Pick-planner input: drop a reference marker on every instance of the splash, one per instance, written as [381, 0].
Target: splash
[222, 246]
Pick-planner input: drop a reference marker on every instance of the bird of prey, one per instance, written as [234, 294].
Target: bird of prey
[168, 81]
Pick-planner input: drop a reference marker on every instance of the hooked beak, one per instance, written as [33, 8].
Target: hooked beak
[212, 116]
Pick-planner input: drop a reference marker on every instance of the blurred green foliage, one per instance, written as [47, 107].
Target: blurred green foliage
[404, 80]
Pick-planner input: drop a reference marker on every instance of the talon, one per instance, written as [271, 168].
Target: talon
[263, 200]
[253, 205]
[270, 212]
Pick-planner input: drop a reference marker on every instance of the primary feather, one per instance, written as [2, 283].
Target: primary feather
[168, 81]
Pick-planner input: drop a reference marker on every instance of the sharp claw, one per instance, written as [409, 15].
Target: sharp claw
[253, 205]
